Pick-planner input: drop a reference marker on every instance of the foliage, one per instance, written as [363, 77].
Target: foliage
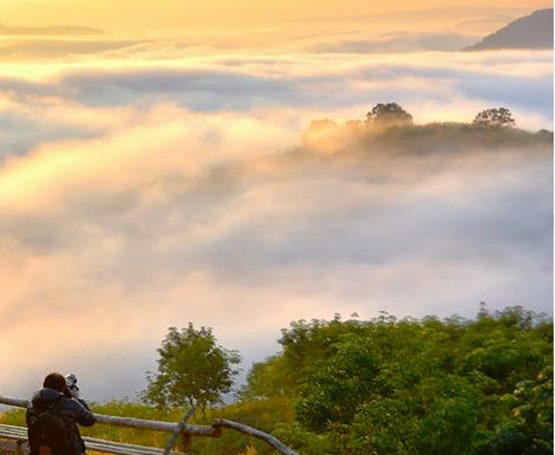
[386, 386]
[192, 369]
[333, 392]
[388, 114]
[427, 386]
[493, 118]
[265, 376]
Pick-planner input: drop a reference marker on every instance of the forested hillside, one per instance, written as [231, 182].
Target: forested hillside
[388, 386]
[415, 386]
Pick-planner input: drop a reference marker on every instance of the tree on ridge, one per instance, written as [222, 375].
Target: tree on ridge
[388, 114]
[493, 118]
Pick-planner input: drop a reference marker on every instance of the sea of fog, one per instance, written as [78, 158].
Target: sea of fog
[142, 189]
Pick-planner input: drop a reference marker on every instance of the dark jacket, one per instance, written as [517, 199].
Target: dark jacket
[72, 411]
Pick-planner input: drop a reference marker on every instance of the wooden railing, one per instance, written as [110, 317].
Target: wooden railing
[18, 435]
[15, 442]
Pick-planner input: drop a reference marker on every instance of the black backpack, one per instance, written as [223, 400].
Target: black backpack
[48, 430]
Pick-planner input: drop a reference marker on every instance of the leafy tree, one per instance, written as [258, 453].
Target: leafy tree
[494, 118]
[342, 383]
[192, 369]
[266, 380]
[527, 426]
[460, 386]
[388, 114]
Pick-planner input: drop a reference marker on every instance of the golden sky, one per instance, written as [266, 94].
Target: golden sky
[161, 14]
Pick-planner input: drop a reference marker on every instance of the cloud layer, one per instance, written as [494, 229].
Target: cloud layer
[135, 196]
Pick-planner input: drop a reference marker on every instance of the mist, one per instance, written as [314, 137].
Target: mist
[146, 183]
[114, 242]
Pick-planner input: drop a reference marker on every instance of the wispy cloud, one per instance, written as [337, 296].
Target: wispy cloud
[399, 42]
[521, 80]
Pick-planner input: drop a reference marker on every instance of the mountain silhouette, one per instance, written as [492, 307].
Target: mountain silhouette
[529, 32]
[53, 30]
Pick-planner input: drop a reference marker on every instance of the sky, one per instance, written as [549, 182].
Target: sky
[170, 14]
[161, 173]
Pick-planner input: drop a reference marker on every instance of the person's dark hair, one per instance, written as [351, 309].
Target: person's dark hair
[55, 381]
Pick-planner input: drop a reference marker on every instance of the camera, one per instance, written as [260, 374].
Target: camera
[71, 383]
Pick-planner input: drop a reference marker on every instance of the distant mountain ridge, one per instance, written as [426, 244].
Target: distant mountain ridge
[529, 32]
[54, 30]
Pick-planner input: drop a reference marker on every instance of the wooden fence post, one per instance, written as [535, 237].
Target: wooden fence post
[18, 447]
[186, 438]
[180, 430]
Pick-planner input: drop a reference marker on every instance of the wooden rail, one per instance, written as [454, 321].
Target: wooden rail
[18, 437]
[19, 434]
[131, 422]
[275, 443]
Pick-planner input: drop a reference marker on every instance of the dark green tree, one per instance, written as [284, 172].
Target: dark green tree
[388, 114]
[192, 369]
[340, 384]
[429, 386]
[499, 117]
[266, 380]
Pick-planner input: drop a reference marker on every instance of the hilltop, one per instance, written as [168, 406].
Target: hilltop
[529, 32]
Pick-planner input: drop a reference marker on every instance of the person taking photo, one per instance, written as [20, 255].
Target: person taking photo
[53, 415]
